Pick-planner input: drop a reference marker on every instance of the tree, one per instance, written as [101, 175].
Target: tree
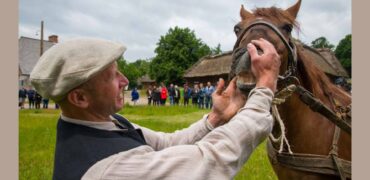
[175, 52]
[344, 51]
[130, 70]
[142, 66]
[321, 42]
[217, 49]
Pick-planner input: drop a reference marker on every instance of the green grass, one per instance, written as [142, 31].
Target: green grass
[37, 133]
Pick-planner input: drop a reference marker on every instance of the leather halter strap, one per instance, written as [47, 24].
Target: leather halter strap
[292, 55]
[322, 164]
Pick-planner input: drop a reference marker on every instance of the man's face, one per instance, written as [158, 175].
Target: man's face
[107, 95]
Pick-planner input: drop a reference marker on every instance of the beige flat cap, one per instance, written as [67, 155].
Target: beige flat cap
[71, 63]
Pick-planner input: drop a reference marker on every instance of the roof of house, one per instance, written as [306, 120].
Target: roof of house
[325, 59]
[221, 64]
[333, 61]
[210, 66]
[29, 53]
[145, 79]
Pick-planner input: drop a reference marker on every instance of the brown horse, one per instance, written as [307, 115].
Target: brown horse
[307, 132]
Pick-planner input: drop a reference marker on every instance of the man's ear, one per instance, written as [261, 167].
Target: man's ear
[79, 98]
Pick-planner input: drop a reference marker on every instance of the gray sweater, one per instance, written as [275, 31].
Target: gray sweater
[195, 152]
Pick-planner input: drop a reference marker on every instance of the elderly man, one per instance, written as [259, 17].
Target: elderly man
[93, 142]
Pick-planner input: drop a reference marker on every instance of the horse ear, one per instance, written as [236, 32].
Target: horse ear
[293, 10]
[244, 14]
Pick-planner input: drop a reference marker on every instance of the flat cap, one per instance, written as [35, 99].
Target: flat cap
[67, 65]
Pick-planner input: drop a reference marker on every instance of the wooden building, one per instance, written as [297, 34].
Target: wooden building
[29, 54]
[144, 82]
[209, 68]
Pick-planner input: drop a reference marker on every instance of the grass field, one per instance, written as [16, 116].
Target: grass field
[37, 131]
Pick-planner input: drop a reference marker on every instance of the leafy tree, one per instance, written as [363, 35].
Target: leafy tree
[143, 66]
[217, 49]
[344, 52]
[175, 52]
[121, 63]
[321, 42]
[130, 70]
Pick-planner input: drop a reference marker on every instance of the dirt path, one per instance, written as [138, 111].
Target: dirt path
[143, 100]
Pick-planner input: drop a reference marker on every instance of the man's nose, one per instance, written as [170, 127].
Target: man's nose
[124, 80]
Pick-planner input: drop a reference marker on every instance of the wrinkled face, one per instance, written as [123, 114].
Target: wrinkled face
[282, 20]
[107, 95]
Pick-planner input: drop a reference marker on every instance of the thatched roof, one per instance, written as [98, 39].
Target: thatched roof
[145, 79]
[211, 66]
[29, 53]
[325, 59]
[221, 64]
[333, 61]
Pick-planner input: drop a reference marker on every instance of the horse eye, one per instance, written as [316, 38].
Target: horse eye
[288, 28]
[237, 29]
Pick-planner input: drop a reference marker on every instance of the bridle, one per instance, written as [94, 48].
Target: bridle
[292, 52]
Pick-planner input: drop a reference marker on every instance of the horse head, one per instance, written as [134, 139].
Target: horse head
[273, 24]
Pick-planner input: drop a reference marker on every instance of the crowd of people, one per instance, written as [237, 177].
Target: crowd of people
[199, 95]
[34, 99]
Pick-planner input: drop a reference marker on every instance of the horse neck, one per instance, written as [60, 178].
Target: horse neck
[307, 131]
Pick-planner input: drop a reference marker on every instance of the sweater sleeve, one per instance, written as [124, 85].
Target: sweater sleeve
[219, 155]
[190, 135]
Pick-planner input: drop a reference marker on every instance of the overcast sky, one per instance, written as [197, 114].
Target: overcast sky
[138, 24]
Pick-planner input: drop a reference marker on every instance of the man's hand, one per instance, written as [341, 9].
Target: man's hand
[265, 67]
[225, 103]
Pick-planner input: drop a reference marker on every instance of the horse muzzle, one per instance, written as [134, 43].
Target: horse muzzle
[242, 67]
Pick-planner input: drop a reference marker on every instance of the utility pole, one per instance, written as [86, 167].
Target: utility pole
[42, 38]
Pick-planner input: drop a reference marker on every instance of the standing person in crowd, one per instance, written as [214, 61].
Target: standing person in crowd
[31, 98]
[45, 103]
[38, 99]
[149, 94]
[202, 94]
[209, 89]
[164, 93]
[187, 94]
[195, 95]
[94, 142]
[156, 96]
[177, 95]
[22, 95]
[171, 94]
[134, 95]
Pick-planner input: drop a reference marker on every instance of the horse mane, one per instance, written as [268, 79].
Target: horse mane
[317, 82]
